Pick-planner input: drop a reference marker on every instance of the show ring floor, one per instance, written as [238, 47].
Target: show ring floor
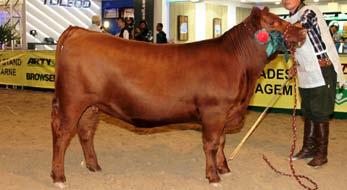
[165, 158]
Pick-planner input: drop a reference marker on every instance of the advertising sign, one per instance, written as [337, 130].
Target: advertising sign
[275, 75]
[28, 68]
[69, 3]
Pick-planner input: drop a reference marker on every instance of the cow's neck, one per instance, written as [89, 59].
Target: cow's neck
[250, 27]
[241, 43]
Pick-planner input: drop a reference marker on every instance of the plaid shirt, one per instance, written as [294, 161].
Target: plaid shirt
[309, 21]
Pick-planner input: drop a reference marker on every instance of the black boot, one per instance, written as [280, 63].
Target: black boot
[322, 140]
[309, 144]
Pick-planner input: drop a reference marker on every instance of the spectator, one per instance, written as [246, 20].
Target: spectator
[96, 24]
[124, 31]
[130, 25]
[333, 32]
[142, 33]
[161, 36]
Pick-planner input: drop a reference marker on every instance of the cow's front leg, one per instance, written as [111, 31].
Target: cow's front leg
[222, 164]
[212, 130]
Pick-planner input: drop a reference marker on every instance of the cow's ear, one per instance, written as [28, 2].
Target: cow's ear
[255, 11]
[266, 9]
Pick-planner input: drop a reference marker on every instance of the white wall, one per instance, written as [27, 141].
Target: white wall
[52, 20]
[162, 14]
[231, 10]
[200, 21]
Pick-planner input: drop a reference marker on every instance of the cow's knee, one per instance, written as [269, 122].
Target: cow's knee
[88, 123]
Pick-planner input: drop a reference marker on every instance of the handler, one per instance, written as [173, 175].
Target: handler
[318, 70]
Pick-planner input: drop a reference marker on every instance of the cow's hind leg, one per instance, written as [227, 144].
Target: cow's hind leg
[222, 164]
[86, 131]
[213, 124]
[64, 127]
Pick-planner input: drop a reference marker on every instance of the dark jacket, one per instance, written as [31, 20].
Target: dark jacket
[144, 35]
[161, 37]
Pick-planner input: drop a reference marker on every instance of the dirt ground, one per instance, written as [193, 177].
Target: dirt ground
[164, 158]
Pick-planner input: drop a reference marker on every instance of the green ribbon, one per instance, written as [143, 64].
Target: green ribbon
[275, 42]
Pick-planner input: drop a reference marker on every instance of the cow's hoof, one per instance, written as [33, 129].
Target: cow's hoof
[60, 185]
[215, 179]
[92, 168]
[224, 170]
[58, 178]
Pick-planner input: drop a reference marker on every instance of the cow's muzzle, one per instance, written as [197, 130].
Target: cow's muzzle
[294, 35]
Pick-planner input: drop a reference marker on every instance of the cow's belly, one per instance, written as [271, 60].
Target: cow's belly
[144, 113]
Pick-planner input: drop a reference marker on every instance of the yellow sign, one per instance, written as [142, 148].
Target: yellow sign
[275, 75]
[27, 68]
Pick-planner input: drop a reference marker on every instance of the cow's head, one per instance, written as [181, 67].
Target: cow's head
[293, 34]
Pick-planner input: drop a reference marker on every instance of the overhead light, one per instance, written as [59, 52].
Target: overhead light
[106, 24]
[278, 2]
[243, 1]
[316, 1]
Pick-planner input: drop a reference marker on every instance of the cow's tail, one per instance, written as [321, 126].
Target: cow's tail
[60, 46]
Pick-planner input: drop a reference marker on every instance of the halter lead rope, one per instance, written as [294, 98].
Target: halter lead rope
[297, 177]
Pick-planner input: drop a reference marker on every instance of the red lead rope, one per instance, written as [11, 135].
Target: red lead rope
[297, 177]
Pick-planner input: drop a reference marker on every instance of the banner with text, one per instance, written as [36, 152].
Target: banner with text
[27, 68]
[275, 75]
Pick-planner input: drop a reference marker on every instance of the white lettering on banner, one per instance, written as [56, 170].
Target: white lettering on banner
[69, 3]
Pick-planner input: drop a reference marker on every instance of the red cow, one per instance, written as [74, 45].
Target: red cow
[209, 82]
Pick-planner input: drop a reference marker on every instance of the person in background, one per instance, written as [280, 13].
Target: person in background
[130, 25]
[124, 31]
[96, 24]
[333, 32]
[142, 33]
[318, 71]
[161, 36]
